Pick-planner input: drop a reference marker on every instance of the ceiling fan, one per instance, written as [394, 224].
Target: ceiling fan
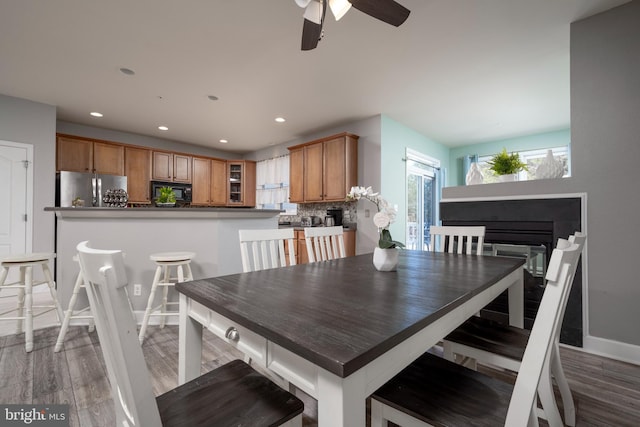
[388, 11]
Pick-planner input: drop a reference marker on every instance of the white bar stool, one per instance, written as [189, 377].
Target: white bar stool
[164, 261]
[69, 314]
[26, 262]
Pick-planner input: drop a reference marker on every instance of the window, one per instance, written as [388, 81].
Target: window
[272, 185]
[532, 158]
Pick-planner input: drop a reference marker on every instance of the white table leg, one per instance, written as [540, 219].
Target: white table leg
[189, 344]
[341, 401]
[516, 301]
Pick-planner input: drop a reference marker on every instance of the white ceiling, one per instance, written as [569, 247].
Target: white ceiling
[457, 71]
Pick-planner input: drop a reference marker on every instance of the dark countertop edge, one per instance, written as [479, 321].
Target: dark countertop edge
[351, 226]
[163, 213]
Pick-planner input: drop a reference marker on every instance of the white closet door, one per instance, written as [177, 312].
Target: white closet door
[13, 190]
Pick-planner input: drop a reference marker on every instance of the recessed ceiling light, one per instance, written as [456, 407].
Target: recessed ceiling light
[95, 114]
[223, 141]
[213, 97]
[127, 71]
[163, 128]
[280, 119]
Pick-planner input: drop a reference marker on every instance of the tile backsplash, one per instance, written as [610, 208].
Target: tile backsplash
[349, 211]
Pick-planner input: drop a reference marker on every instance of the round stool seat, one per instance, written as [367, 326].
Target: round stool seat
[172, 256]
[34, 257]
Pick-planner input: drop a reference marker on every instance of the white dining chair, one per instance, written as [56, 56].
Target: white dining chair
[233, 394]
[491, 343]
[324, 243]
[457, 239]
[435, 391]
[267, 248]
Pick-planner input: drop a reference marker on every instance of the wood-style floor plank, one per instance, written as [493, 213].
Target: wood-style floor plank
[606, 392]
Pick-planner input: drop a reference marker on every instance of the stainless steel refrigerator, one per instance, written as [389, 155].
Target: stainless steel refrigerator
[92, 189]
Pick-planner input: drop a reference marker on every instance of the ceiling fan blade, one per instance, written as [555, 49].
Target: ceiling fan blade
[311, 33]
[388, 11]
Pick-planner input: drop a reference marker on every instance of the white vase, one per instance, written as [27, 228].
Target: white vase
[550, 167]
[508, 177]
[474, 176]
[385, 259]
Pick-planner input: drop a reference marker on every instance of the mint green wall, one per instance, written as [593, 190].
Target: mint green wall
[529, 142]
[396, 137]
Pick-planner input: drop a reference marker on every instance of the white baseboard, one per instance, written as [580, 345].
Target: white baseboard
[613, 349]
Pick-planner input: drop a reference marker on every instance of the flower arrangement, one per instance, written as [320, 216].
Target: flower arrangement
[385, 216]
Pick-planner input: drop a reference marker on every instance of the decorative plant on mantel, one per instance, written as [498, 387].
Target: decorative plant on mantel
[385, 216]
[504, 163]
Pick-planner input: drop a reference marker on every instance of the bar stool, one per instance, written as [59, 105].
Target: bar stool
[69, 314]
[164, 262]
[26, 262]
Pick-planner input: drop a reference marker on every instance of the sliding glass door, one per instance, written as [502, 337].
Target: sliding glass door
[423, 196]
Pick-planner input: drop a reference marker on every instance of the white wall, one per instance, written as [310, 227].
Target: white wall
[33, 123]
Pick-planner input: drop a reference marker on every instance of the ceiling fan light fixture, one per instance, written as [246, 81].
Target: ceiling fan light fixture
[313, 12]
[303, 3]
[339, 8]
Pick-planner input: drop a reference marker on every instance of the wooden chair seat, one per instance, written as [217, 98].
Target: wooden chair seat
[438, 392]
[491, 336]
[231, 395]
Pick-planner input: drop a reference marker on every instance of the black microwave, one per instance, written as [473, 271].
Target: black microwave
[182, 191]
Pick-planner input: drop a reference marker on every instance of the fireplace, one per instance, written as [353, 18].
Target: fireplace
[532, 227]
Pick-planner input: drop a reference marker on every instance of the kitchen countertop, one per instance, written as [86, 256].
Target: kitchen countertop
[155, 212]
[297, 226]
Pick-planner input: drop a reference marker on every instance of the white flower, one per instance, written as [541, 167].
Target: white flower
[381, 220]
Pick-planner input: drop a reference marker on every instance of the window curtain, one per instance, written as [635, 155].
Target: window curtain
[272, 181]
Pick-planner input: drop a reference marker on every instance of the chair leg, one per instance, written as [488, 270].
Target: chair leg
[165, 293]
[28, 302]
[68, 313]
[147, 312]
[548, 400]
[20, 307]
[563, 385]
[52, 290]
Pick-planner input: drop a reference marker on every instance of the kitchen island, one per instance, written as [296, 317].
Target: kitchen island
[212, 233]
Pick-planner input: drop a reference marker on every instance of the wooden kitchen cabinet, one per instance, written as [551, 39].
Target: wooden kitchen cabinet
[328, 169]
[209, 182]
[241, 178]
[296, 175]
[137, 168]
[77, 154]
[171, 167]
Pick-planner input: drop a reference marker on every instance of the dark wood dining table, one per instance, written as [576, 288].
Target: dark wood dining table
[340, 329]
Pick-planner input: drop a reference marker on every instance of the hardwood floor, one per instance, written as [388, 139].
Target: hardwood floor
[606, 392]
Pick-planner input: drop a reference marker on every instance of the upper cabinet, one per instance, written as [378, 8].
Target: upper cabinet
[86, 155]
[241, 176]
[323, 170]
[209, 182]
[137, 168]
[171, 167]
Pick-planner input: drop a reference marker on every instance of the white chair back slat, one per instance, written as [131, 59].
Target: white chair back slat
[564, 260]
[262, 249]
[105, 282]
[457, 239]
[324, 243]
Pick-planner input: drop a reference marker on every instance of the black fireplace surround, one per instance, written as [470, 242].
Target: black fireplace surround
[527, 222]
